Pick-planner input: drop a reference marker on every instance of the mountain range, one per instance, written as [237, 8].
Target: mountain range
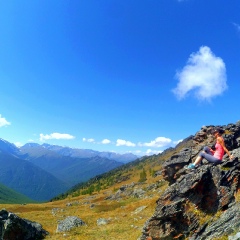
[43, 171]
[86, 153]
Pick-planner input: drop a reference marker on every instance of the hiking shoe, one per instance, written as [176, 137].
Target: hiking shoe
[191, 166]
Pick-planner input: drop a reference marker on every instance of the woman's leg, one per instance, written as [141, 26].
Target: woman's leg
[207, 154]
[209, 158]
[204, 154]
[200, 157]
[198, 160]
[207, 150]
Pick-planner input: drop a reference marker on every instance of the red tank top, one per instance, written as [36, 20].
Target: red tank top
[219, 152]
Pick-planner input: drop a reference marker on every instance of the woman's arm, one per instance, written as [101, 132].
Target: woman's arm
[221, 142]
[212, 151]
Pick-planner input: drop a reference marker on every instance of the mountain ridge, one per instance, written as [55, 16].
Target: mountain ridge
[83, 153]
[44, 171]
[71, 169]
[28, 179]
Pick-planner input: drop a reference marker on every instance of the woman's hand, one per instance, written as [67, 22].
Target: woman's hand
[212, 151]
[231, 157]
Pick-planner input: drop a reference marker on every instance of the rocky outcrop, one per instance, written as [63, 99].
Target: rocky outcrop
[14, 227]
[199, 203]
[225, 225]
[129, 190]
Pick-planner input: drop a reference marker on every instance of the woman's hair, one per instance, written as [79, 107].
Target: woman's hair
[219, 130]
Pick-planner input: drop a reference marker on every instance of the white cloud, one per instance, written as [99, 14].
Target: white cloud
[205, 74]
[91, 140]
[178, 141]
[3, 122]
[105, 141]
[56, 136]
[121, 142]
[158, 142]
[151, 152]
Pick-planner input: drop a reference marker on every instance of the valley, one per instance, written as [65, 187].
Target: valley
[149, 196]
[125, 215]
[43, 171]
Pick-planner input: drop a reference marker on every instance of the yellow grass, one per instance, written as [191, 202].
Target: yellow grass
[237, 196]
[123, 223]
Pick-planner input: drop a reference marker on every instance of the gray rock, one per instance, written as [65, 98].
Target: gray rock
[68, 223]
[75, 203]
[124, 190]
[226, 225]
[14, 227]
[152, 186]
[138, 210]
[138, 193]
[102, 221]
[235, 237]
[55, 211]
[92, 205]
[157, 173]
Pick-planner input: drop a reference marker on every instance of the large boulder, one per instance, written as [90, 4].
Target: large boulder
[14, 227]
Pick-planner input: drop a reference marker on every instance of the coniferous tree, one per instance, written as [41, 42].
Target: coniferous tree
[143, 176]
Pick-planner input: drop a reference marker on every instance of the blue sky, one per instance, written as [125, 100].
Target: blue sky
[125, 76]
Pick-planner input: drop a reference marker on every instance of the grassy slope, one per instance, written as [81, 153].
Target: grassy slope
[124, 222]
[8, 195]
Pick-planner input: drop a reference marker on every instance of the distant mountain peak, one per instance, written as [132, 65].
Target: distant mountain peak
[31, 145]
[6, 146]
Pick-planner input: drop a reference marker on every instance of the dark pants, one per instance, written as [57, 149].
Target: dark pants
[209, 156]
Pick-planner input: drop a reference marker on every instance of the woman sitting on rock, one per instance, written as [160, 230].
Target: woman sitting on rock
[211, 155]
